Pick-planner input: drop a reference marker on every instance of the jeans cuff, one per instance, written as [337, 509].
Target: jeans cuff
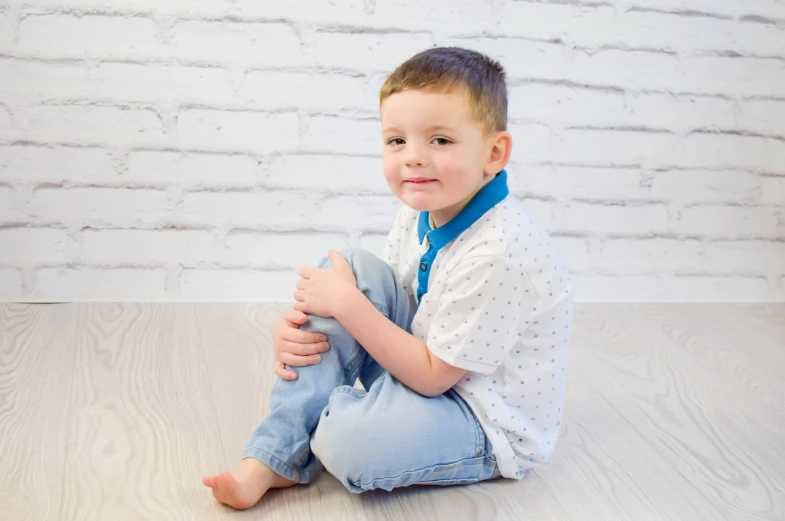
[279, 466]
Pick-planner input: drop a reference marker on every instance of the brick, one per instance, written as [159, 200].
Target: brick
[720, 75]
[548, 21]
[41, 81]
[239, 284]
[609, 288]
[567, 182]
[348, 174]
[614, 147]
[66, 36]
[698, 186]
[432, 16]
[12, 206]
[536, 142]
[190, 170]
[7, 24]
[333, 134]
[612, 220]
[575, 252]
[10, 284]
[92, 125]
[550, 104]
[540, 211]
[726, 222]
[284, 251]
[256, 132]
[350, 213]
[313, 92]
[638, 70]
[745, 257]
[730, 151]
[769, 8]
[703, 289]
[773, 191]
[763, 116]
[373, 242]
[23, 246]
[99, 206]
[147, 247]
[603, 25]
[269, 210]
[261, 44]
[30, 165]
[6, 130]
[365, 51]
[98, 284]
[136, 82]
[680, 114]
[643, 256]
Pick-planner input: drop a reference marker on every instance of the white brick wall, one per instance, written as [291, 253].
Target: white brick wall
[206, 150]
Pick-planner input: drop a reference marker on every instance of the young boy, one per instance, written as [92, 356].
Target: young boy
[459, 332]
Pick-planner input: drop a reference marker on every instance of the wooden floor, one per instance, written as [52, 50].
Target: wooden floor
[114, 411]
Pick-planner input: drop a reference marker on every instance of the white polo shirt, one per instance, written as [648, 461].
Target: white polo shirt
[495, 299]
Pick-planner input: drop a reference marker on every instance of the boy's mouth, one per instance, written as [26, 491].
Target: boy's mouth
[420, 180]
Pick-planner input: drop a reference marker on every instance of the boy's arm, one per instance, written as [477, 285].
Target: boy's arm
[403, 355]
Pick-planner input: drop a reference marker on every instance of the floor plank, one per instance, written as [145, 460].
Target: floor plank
[36, 368]
[237, 343]
[143, 423]
[604, 469]
[688, 416]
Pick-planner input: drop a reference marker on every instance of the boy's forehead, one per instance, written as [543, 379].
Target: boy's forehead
[426, 108]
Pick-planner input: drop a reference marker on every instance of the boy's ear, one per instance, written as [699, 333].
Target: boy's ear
[499, 150]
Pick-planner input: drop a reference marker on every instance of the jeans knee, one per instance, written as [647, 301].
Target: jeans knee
[362, 260]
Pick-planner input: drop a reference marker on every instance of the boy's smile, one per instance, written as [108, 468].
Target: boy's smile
[436, 156]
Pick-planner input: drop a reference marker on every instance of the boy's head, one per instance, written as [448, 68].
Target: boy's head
[444, 126]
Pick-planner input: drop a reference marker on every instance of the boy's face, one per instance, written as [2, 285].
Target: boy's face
[436, 156]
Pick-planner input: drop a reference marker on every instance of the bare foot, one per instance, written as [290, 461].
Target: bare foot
[246, 485]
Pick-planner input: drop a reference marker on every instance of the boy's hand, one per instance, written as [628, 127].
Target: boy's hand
[294, 347]
[321, 291]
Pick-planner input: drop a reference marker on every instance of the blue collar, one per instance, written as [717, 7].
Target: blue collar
[490, 195]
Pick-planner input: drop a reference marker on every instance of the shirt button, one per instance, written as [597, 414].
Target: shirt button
[423, 266]
[479, 453]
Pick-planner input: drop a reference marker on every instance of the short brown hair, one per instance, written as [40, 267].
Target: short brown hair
[447, 69]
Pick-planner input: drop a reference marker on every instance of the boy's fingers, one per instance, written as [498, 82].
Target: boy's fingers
[295, 317]
[298, 349]
[299, 361]
[302, 337]
[282, 372]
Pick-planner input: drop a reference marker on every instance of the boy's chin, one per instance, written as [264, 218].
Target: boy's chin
[421, 204]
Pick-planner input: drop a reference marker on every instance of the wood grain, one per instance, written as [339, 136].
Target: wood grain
[604, 469]
[36, 368]
[143, 425]
[687, 414]
[238, 349]
[114, 411]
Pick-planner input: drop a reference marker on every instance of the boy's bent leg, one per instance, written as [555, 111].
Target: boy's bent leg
[393, 437]
[282, 441]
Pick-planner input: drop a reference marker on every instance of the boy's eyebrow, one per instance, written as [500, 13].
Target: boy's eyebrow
[427, 129]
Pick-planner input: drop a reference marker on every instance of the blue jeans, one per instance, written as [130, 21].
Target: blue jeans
[388, 436]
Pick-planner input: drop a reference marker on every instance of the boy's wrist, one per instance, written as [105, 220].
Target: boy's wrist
[345, 303]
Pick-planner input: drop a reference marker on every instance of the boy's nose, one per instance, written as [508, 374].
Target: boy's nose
[414, 158]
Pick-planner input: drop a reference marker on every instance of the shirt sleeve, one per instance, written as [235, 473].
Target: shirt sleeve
[486, 306]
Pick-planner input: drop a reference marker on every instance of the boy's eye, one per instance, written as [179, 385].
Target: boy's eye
[442, 141]
[395, 141]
